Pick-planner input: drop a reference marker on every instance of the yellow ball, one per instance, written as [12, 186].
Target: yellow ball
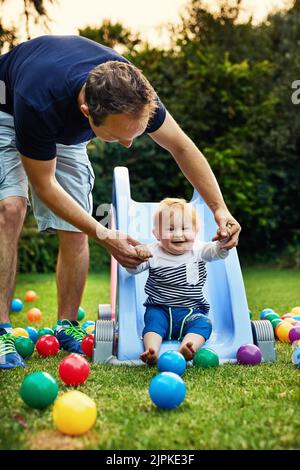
[282, 331]
[74, 413]
[20, 332]
[89, 329]
[295, 311]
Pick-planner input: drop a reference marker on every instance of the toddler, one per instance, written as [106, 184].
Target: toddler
[176, 307]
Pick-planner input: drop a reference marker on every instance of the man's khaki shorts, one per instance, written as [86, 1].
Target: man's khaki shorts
[74, 173]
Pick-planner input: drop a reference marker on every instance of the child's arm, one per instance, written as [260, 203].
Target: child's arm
[213, 251]
[144, 253]
[139, 269]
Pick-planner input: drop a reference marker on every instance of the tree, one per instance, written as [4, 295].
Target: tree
[112, 35]
[36, 10]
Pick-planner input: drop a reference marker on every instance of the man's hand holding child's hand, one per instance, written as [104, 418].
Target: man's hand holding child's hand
[143, 252]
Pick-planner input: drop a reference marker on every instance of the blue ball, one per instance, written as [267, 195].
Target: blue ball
[16, 305]
[296, 357]
[167, 390]
[264, 312]
[33, 334]
[87, 323]
[172, 361]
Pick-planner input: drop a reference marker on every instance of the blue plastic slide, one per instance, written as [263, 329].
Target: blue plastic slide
[224, 287]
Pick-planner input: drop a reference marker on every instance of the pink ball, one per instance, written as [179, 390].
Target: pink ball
[294, 334]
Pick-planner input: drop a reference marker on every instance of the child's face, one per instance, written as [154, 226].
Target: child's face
[177, 230]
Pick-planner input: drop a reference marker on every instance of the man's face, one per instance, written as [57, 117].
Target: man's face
[121, 128]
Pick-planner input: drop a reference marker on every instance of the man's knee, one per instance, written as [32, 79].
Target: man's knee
[75, 242]
[12, 213]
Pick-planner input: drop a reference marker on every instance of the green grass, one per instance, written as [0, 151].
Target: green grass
[230, 407]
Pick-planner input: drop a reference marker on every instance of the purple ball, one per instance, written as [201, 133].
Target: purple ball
[249, 354]
[294, 334]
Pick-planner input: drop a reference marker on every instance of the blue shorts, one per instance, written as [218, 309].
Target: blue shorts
[73, 172]
[176, 322]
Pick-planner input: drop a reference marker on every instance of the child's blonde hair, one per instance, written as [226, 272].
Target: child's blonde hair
[170, 205]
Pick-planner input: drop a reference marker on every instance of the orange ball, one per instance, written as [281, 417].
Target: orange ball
[34, 315]
[287, 315]
[291, 321]
[30, 296]
[282, 331]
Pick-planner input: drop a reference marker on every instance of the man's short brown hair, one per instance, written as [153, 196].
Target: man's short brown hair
[116, 87]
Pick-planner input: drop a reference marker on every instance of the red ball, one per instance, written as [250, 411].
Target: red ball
[74, 369]
[87, 345]
[47, 345]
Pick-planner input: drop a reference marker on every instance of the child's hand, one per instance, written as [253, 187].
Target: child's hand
[143, 252]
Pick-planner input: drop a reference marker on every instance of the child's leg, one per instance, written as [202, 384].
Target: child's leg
[152, 343]
[190, 345]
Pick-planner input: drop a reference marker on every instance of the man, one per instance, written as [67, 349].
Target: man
[61, 91]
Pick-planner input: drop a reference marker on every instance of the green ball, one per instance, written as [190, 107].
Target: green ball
[45, 331]
[81, 314]
[275, 322]
[39, 389]
[24, 346]
[271, 316]
[206, 358]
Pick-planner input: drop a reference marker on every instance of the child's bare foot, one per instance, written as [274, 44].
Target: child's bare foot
[149, 356]
[187, 350]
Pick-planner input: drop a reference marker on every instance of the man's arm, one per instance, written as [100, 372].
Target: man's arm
[41, 175]
[197, 170]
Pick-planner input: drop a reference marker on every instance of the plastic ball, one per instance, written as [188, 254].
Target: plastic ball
[47, 345]
[24, 346]
[294, 334]
[20, 332]
[264, 312]
[206, 358]
[32, 333]
[39, 389]
[295, 311]
[287, 315]
[87, 345]
[296, 357]
[282, 331]
[249, 354]
[34, 315]
[167, 390]
[90, 329]
[45, 331]
[74, 369]
[88, 323]
[74, 413]
[172, 361]
[291, 321]
[276, 322]
[80, 314]
[271, 316]
[16, 305]
[295, 344]
[30, 296]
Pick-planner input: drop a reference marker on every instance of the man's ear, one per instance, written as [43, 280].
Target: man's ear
[156, 233]
[85, 110]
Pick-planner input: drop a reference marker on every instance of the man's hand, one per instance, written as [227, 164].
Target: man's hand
[143, 252]
[121, 247]
[228, 231]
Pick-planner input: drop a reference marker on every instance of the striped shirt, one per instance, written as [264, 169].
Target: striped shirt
[177, 281]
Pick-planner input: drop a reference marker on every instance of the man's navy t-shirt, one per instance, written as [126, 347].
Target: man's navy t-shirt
[43, 78]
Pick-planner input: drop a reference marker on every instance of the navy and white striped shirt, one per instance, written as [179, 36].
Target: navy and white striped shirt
[177, 281]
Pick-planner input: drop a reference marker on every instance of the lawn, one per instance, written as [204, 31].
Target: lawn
[230, 407]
